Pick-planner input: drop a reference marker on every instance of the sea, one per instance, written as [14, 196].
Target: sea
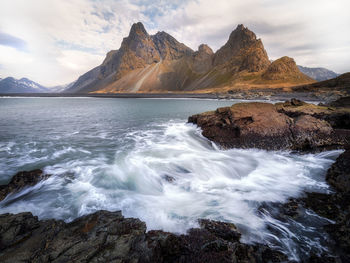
[142, 157]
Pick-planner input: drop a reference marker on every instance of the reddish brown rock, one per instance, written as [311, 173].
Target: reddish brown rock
[261, 125]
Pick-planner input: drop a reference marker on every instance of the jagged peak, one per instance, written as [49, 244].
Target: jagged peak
[138, 28]
[205, 48]
[242, 33]
[161, 35]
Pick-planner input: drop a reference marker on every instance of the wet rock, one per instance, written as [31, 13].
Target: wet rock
[99, 237]
[266, 126]
[339, 174]
[21, 180]
[335, 206]
[169, 178]
[109, 237]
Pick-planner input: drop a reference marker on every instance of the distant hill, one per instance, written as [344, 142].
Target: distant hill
[340, 82]
[318, 74]
[23, 85]
[160, 63]
[61, 88]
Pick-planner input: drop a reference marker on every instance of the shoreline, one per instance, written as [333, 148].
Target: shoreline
[205, 96]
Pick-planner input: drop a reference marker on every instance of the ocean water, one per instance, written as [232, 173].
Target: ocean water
[141, 156]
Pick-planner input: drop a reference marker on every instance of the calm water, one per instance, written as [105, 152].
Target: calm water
[118, 154]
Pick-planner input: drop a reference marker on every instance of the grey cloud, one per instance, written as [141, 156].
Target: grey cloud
[265, 28]
[12, 41]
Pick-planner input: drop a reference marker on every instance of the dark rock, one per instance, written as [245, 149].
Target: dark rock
[335, 206]
[21, 180]
[109, 237]
[339, 174]
[343, 102]
[226, 231]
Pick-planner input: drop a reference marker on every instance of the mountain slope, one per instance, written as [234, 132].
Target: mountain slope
[23, 85]
[285, 69]
[160, 63]
[318, 74]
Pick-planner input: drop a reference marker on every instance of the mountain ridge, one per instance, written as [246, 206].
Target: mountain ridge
[160, 63]
[319, 73]
[23, 85]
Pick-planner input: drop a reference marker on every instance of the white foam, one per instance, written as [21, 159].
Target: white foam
[169, 175]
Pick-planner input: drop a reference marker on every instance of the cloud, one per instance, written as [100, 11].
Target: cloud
[64, 39]
[12, 41]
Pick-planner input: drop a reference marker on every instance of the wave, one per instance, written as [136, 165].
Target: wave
[169, 175]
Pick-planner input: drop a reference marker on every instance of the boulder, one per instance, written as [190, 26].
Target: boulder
[21, 180]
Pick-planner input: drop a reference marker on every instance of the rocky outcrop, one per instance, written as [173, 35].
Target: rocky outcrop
[266, 126]
[21, 180]
[337, 117]
[109, 237]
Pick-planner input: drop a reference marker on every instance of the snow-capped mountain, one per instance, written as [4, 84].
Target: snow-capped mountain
[23, 85]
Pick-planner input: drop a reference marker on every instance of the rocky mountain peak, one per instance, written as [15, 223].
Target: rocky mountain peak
[243, 51]
[241, 37]
[137, 29]
[204, 48]
[169, 47]
[284, 68]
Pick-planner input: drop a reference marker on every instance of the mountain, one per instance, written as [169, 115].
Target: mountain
[61, 88]
[286, 69]
[318, 74]
[160, 63]
[23, 85]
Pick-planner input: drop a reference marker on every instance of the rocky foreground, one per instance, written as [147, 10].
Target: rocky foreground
[109, 237]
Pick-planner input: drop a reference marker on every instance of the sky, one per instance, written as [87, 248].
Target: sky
[53, 42]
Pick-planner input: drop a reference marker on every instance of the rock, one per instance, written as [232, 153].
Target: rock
[338, 175]
[109, 237]
[21, 180]
[265, 126]
[338, 118]
[99, 237]
[343, 102]
[226, 231]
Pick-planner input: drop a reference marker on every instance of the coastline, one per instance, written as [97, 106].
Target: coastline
[305, 96]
